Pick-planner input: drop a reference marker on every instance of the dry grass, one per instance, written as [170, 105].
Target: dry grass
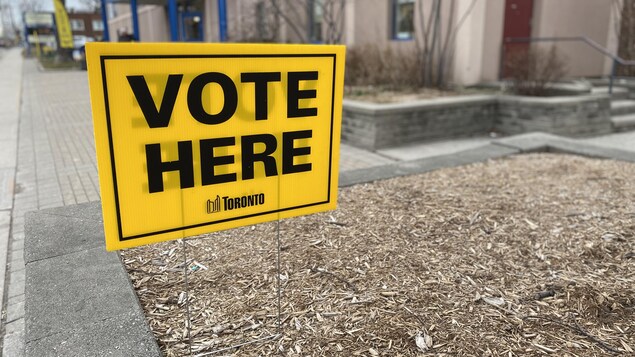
[534, 70]
[379, 94]
[387, 67]
[522, 256]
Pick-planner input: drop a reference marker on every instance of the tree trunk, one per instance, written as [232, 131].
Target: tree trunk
[626, 44]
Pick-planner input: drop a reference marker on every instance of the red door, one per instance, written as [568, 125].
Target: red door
[518, 15]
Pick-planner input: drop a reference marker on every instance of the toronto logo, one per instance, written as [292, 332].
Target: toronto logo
[213, 206]
[227, 203]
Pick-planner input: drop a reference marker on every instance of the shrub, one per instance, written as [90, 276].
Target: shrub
[533, 70]
[369, 65]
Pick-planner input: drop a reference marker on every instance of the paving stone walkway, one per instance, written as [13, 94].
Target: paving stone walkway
[11, 249]
[55, 167]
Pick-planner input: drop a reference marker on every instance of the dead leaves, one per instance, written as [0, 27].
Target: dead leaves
[423, 341]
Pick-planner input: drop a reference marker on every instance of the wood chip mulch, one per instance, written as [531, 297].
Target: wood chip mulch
[522, 256]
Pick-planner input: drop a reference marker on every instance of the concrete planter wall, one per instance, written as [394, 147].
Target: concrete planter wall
[376, 126]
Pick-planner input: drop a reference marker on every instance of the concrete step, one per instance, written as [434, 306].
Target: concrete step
[618, 92]
[622, 106]
[623, 122]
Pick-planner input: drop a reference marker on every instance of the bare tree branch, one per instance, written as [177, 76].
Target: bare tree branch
[91, 5]
[443, 55]
[616, 10]
[31, 5]
[433, 44]
[301, 34]
[436, 11]
[333, 18]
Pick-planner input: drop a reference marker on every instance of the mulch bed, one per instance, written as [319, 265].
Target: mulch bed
[521, 256]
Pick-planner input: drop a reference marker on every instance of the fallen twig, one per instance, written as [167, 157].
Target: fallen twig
[579, 330]
[423, 323]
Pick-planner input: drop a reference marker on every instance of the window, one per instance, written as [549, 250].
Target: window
[192, 26]
[316, 14]
[403, 19]
[98, 25]
[77, 25]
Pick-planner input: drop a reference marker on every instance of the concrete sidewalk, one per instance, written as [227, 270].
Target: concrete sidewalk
[11, 236]
[47, 159]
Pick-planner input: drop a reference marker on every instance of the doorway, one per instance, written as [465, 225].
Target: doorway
[191, 26]
[518, 16]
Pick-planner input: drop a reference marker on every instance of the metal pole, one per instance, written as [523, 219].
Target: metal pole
[278, 285]
[612, 77]
[501, 64]
[222, 20]
[26, 35]
[104, 19]
[135, 19]
[174, 20]
[188, 323]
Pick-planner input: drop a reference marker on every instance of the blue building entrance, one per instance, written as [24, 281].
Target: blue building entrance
[185, 18]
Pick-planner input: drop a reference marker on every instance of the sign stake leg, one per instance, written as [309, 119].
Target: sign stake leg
[188, 323]
[278, 277]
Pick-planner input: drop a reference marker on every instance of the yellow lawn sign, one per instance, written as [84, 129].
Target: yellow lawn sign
[195, 138]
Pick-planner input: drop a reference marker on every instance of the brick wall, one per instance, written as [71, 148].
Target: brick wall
[87, 19]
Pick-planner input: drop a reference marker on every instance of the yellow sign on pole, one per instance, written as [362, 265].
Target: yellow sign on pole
[194, 138]
[63, 26]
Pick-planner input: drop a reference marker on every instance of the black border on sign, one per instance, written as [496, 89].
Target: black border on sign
[105, 58]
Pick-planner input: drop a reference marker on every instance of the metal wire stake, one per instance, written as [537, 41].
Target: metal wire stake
[188, 324]
[278, 276]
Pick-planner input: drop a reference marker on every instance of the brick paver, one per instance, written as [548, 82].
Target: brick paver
[55, 167]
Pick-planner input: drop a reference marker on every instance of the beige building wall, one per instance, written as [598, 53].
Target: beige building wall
[476, 45]
[591, 18]
[469, 42]
[210, 21]
[473, 48]
[612, 40]
[235, 20]
[492, 40]
[371, 22]
[479, 41]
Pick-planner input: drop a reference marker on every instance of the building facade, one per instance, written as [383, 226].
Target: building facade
[467, 34]
[86, 24]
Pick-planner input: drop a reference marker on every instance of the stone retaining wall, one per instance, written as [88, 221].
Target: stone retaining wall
[569, 116]
[376, 126]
